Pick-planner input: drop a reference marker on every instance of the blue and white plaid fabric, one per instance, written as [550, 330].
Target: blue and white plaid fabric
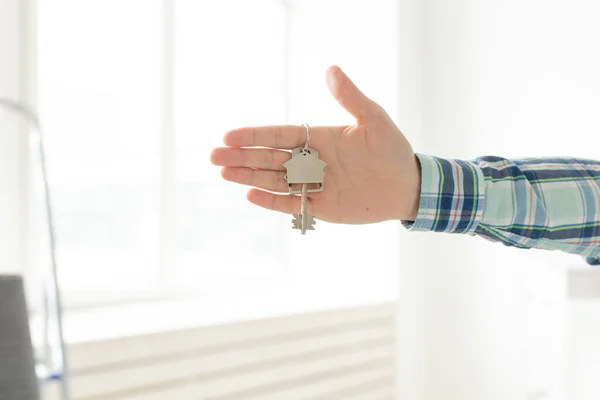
[547, 203]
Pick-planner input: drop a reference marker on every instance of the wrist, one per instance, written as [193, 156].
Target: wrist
[413, 192]
[410, 191]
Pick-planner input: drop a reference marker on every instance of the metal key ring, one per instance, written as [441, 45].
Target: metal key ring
[307, 135]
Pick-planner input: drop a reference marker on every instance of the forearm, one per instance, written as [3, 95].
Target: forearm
[551, 204]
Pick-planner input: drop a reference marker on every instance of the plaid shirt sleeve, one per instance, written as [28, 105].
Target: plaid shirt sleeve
[543, 203]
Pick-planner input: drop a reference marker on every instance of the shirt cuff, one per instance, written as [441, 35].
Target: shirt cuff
[452, 196]
[593, 260]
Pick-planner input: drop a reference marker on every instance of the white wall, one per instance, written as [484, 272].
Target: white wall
[12, 141]
[511, 78]
[584, 350]
[459, 314]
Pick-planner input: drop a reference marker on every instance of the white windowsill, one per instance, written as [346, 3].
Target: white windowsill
[147, 317]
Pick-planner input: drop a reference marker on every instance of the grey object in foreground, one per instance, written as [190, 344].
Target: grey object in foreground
[18, 380]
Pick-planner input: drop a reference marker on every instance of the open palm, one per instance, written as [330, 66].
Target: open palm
[372, 174]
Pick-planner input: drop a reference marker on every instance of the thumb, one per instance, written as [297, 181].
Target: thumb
[348, 95]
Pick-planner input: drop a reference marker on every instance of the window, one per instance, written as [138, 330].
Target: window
[229, 72]
[100, 99]
[133, 96]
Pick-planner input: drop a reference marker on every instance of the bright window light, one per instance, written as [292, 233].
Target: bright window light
[138, 205]
[99, 96]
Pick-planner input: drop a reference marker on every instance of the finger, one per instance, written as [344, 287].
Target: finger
[279, 137]
[287, 204]
[349, 96]
[273, 181]
[251, 158]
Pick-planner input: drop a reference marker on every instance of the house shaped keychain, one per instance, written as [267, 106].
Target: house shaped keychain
[305, 167]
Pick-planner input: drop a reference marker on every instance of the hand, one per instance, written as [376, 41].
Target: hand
[372, 173]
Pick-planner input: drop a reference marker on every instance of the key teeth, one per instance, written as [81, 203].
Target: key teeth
[297, 222]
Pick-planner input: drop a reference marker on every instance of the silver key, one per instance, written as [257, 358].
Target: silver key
[304, 168]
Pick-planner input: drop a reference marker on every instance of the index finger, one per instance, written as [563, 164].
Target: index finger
[276, 136]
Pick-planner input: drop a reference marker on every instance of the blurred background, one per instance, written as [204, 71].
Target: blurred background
[175, 286]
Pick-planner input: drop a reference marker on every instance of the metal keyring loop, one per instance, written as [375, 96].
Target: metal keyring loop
[307, 135]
